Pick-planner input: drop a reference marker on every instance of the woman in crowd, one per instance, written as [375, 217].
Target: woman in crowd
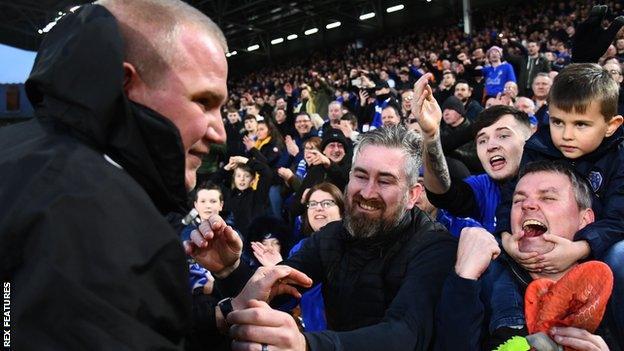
[324, 205]
[268, 148]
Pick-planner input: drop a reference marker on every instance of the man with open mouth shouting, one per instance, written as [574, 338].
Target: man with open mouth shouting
[500, 133]
[549, 199]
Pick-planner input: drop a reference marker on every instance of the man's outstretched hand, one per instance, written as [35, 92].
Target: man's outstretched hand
[591, 41]
[215, 246]
[268, 282]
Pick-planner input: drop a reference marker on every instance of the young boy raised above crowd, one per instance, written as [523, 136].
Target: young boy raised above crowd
[584, 131]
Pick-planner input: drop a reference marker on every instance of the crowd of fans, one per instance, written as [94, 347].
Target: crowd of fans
[435, 191]
[291, 128]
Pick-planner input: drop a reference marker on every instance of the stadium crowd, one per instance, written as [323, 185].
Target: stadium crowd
[404, 192]
[301, 119]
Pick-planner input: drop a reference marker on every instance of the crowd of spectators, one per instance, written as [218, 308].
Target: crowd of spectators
[291, 127]
[433, 191]
[400, 60]
[301, 118]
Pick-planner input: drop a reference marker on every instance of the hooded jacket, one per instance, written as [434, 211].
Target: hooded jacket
[92, 262]
[603, 169]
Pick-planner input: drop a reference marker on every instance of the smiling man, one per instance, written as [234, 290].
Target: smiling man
[128, 96]
[382, 267]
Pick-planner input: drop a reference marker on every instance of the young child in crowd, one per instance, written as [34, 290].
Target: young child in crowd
[248, 198]
[207, 200]
[584, 131]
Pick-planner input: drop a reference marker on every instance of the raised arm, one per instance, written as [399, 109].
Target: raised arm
[429, 115]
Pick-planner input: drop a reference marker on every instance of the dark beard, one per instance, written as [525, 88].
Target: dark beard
[361, 226]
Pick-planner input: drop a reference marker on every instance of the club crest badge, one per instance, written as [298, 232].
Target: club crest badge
[595, 180]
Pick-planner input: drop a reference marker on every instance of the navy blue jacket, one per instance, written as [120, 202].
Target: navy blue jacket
[476, 197]
[603, 169]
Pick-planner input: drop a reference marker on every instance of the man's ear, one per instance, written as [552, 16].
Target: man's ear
[131, 78]
[414, 194]
[587, 217]
[614, 123]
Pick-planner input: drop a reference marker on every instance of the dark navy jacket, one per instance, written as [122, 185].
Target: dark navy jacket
[603, 169]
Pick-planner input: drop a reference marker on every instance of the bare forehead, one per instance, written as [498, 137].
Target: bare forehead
[610, 66]
[542, 182]
[507, 122]
[542, 79]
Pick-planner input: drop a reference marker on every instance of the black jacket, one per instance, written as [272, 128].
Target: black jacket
[458, 143]
[92, 262]
[379, 294]
[235, 132]
[526, 67]
[248, 204]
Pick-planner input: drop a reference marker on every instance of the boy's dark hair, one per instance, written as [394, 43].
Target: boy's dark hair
[250, 116]
[577, 85]
[448, 71]
[232, 110]
[349, 117]
[244, 167]
[492, 114]
[208, 185]
[582, 190]
[303, 114]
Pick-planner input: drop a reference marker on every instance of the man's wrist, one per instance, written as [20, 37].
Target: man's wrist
[466, 274]
[225, 272]
[432, 135]
[583, 249]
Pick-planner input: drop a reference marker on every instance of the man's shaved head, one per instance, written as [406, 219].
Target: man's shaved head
[150, 30]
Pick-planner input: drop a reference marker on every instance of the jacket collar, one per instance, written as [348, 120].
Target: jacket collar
[77, 80]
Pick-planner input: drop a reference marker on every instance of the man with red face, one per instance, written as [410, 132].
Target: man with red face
[128, 95]
[551, 203]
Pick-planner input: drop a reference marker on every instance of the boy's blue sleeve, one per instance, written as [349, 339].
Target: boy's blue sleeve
[609, 225]
[460, 315]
